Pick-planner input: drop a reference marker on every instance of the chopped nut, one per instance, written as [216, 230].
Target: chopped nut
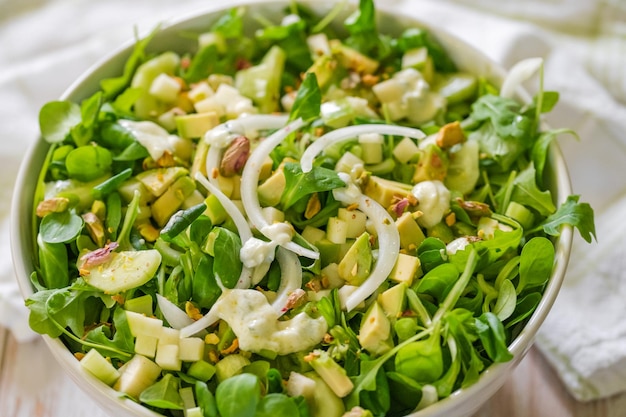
[166, 160]
[52, 205]
[235, 156]
[211, 339]
[474, 208]
[449, 135]
[192, 311]
[295, 299]
[232, 348]
[450, 219]
[118, 298]
[95, 227]
[313, 206]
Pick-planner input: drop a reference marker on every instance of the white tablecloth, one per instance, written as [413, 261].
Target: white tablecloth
[45, 45]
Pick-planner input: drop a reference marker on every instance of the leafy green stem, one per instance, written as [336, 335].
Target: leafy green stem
[458, 288]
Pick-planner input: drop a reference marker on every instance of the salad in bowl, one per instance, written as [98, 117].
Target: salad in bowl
[296, 216]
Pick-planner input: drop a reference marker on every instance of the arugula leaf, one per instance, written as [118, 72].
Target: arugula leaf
[308, 100]
[362, 27]
[573, 213]
[299, 184]
[526, 192]
[508, 133]
[57, 119]
[122, 339]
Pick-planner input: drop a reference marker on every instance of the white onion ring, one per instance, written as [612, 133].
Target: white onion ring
[291, 278]
[250, 180]
[351, 132]
[388, 240]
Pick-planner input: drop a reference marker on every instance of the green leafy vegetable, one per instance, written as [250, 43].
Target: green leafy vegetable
[573, 213]
[57, 118]
[300, 184]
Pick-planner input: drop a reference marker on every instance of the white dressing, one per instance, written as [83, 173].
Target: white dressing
[256, 324]
[433, 201]
[150, 135]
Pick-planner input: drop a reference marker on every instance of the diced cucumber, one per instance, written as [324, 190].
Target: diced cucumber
[457, 87]
[261, 83]
[518, 212]
[325, 403]
[201, 370]
[146, 345]
[230, 365]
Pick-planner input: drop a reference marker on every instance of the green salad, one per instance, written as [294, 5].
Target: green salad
[311, 218]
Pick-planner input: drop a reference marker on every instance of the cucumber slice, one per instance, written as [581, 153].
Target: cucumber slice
[124, 271]
[102, 369]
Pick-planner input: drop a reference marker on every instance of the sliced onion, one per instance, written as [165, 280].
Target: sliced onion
[520, 72]
[250, 180]
[352, 132]
[291, 279]
[244, 125]
[240, 223]
[176, 317]
[388, 240]
[198, 326]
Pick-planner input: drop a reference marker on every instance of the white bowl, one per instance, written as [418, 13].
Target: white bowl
[463, 402]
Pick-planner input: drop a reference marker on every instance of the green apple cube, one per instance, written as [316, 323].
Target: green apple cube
[140, 324]
[191, 349]
[146, 345]
[299, 385]
[407, 267]
[168, 336]
[165, 88]
[101, 368]
[336, 230]
[201, 370]
[136, 375]
[355, 220]
[167, 357]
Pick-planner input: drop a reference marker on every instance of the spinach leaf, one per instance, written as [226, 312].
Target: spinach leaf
[115, 136]
[438, 281]
[506, 301]
[536, 261]
[57, 118]
[226, 265]
[431, 253]
[575, 214]
[181, 220]
[524, 308]
[86, 163]
[308, 100]
[299, 184]
[491, 333]
[60, 227]
[53, 261]
[205, 399]
[238, 396]
[292, 38]
[39, 318]
[277, 405]
[205, 290]
[163, 394]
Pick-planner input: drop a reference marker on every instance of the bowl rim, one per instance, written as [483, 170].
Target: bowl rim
[107, 397]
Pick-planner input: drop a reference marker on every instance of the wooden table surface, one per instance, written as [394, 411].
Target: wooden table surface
[33, 385]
